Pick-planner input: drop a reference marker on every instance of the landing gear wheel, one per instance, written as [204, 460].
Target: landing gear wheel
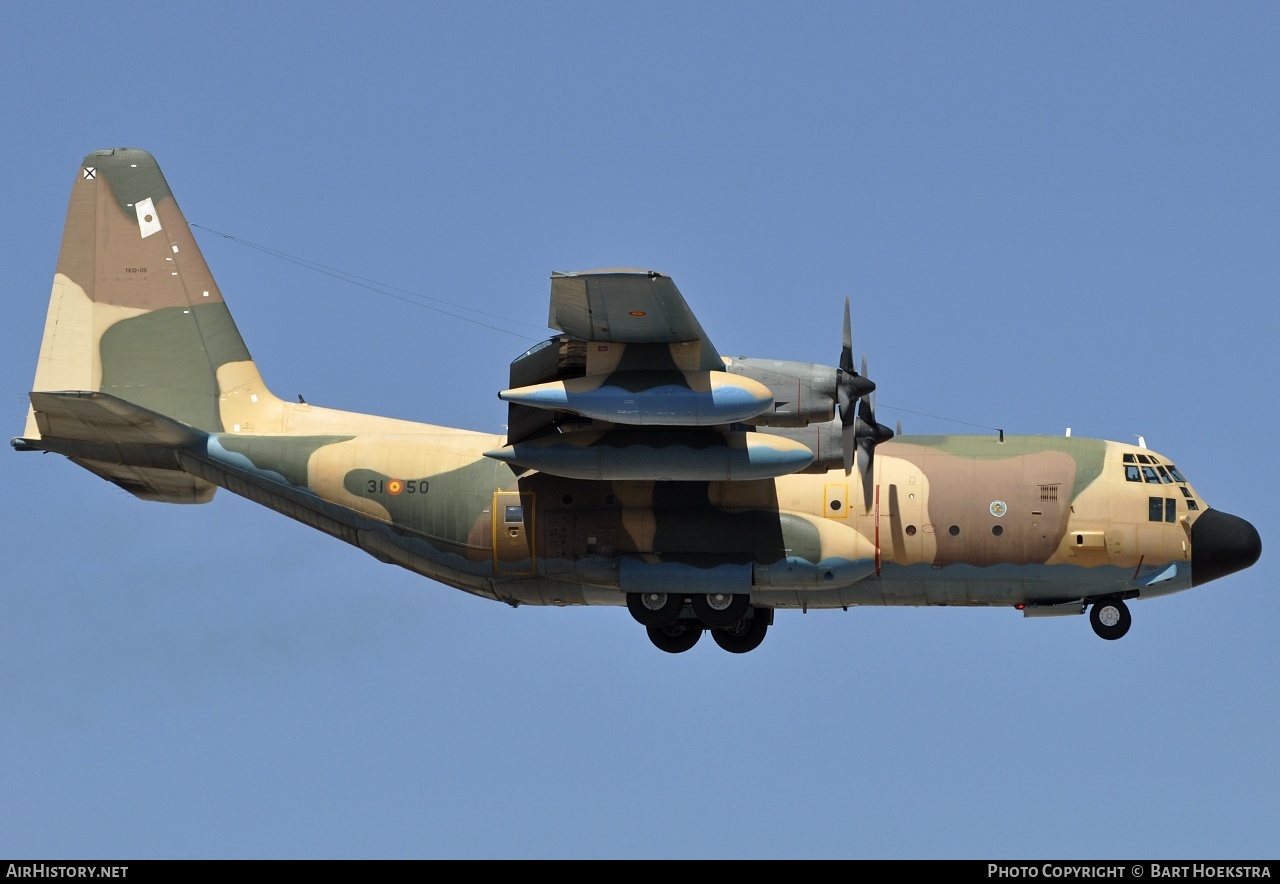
[718, 609]
[676, 638]
[1110, 619]
[743, 636]
[654, 608]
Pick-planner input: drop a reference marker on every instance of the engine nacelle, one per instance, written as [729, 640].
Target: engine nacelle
[803, 392]
[823, 439]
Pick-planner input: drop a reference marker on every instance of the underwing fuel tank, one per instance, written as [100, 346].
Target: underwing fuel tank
[692, 456]
[672, 398]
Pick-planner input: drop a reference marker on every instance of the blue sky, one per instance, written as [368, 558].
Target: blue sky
[1046, 215]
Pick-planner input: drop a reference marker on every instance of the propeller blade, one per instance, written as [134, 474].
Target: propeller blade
[851, 392]
[848, 441]
[846, 352]
[869, 433]
[850, 386]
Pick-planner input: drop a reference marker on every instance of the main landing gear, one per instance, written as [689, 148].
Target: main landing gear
[676, 622]
[1110, 618]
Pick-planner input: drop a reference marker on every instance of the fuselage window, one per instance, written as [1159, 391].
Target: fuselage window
[1131, 474]
[1142, 458]
[1164, 475]
[1186, 492]
[1155, 509]
[1170, 509]
[1150, 475]
[1128, 458]
[514, 514]
[1177, 476]
[1192, 505]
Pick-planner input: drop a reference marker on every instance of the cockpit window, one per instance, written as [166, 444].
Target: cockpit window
[1157, 474]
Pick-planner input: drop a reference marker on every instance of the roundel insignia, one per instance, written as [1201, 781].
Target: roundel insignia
[395, 486]
[998, 508]
[636, 313]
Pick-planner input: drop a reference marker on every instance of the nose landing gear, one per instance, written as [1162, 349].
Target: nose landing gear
[1110, 618]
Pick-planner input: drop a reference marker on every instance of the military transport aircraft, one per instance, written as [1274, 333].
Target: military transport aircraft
[640, 466]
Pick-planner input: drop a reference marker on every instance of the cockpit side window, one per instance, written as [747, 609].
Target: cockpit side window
[1131, 473]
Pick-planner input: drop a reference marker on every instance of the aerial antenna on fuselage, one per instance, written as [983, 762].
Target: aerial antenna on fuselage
[1142, 443]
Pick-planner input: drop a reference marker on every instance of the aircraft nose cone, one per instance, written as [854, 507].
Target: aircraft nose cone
[1222, 544]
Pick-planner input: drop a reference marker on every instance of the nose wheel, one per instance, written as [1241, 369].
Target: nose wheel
[1110, 619]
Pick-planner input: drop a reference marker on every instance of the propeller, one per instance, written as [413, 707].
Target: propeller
[850, 388]
[860, 432]
[869, 433]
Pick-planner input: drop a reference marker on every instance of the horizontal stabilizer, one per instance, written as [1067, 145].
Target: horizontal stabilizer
[163, 486]
[81, 416]
[123, 443]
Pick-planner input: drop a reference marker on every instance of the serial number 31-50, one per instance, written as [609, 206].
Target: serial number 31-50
[396, 486]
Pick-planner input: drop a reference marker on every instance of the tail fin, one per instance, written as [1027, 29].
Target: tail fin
[138, 346]
[135, 312]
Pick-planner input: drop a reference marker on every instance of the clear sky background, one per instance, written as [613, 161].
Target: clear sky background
[1047, 215]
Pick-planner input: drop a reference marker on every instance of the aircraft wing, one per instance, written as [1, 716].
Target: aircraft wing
[628, 307]
[634, 390]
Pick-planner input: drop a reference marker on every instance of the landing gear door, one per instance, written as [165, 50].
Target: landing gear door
[513, 533]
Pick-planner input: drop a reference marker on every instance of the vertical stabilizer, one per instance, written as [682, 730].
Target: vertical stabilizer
[135, 312]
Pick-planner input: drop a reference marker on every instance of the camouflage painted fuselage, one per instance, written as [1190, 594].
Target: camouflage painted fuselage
[956, 520]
